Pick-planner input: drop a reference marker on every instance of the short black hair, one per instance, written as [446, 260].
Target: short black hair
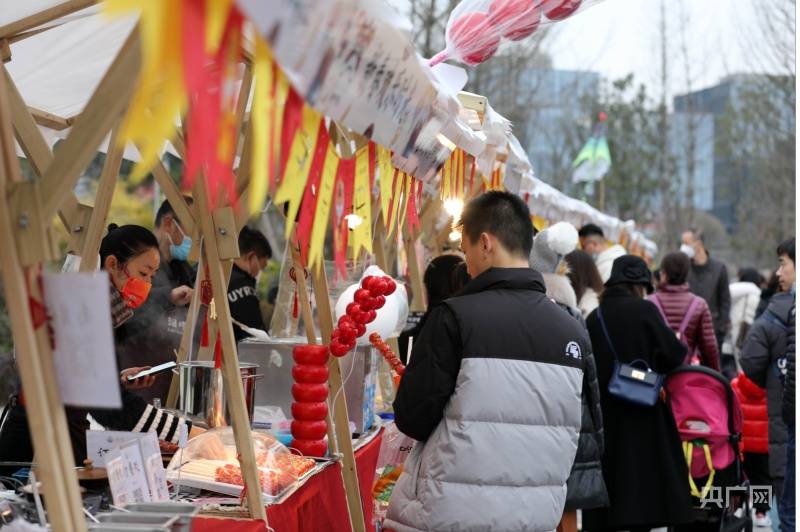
[126, 242]
[254, 240]
[590, 230]
[698, 234]
[503, 215]
[676, 267]
[751, 275]
[166, 209]
[786, 248]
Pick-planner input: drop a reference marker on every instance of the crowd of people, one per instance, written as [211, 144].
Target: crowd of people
[517, 394]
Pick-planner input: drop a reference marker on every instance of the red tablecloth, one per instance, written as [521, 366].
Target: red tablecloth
[320, 504]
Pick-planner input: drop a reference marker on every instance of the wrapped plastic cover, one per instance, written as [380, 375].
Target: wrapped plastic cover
[476, 28]
[210, 462]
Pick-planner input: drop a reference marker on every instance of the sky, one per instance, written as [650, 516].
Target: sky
[617, 37]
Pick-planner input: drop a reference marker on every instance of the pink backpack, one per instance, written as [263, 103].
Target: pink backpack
[692, 357]
[709, 420]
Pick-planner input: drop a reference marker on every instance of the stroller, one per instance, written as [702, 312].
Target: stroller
[709, 421]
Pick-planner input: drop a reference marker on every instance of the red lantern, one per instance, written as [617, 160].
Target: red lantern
[311, 393]
[309, 430]
[474, 37]
[562, 9]
[310, 354]
[517, 19]
[310, 411]
[310, 447]
[310, 374]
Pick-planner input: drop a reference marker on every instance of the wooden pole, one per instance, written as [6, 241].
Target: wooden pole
[46, 418]
[102, 203]
[231, 373]
[45, 16]
[340, 417]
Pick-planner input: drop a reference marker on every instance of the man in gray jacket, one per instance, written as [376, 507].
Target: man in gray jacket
[708, 279]
[492, 392]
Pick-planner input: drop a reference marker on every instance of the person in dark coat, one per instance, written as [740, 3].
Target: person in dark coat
[254, 253]
[444, 278]
[585, 486]
[763, 360]
[787, 502]
[708, 279]
[643, 465]
[154, 333]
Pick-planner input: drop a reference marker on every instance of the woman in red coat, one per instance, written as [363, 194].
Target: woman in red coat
[675, 302]
[755, 442]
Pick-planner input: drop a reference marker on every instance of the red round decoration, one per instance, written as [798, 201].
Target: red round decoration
[310, 411]
[367, 281]
[310, 354]
[347, 335]
[372, 315]
[563, 9]
[316, 448]
[309, 430]
[309, 393]
[380, 301]
[339, 349]
[346, 321]
[361, 330]
[362, 318]
[474, 37]
[310, 374]
[352, 310]
[517, 19]
[391, 286]
[361, 295]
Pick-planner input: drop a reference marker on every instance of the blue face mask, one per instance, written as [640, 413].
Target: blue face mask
[181, 252]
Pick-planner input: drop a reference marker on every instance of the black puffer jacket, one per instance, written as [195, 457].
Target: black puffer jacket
[585, 487]
[788, 380]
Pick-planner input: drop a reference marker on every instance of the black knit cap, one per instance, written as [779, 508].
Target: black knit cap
[630, 269]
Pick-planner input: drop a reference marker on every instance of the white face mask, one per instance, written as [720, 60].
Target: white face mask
[687, 250]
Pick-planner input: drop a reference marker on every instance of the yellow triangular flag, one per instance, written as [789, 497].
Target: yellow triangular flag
[298, 165]
[322, 212]
[385, 175]
[362, 200]
[261, 116]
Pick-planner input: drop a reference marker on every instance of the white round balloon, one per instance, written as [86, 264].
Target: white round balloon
[387, 317]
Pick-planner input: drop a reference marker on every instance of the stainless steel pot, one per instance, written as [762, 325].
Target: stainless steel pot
[201, 391]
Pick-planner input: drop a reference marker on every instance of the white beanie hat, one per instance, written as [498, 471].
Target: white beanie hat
[550, 246]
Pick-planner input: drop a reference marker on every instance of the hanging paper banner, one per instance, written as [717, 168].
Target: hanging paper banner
[372, 163]
[362, 204]
[261, 124]
[217, 14]
[397, 194]
[298, 165]
[385, 176]
[324, 200]
[281, 104]
[406, 197]
[293, 116]
[446, 178]
[160, 94]
[413, 214]
[345, 176]
[309, 205]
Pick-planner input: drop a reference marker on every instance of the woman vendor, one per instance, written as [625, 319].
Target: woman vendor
[130, 256]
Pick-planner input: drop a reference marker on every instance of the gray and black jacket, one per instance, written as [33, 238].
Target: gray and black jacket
[763, 360]
[493, 390]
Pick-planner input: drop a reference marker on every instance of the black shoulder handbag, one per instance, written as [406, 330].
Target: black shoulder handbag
[634, 383]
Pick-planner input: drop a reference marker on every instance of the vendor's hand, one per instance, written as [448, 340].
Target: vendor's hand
[181, 296]
[138, 384]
